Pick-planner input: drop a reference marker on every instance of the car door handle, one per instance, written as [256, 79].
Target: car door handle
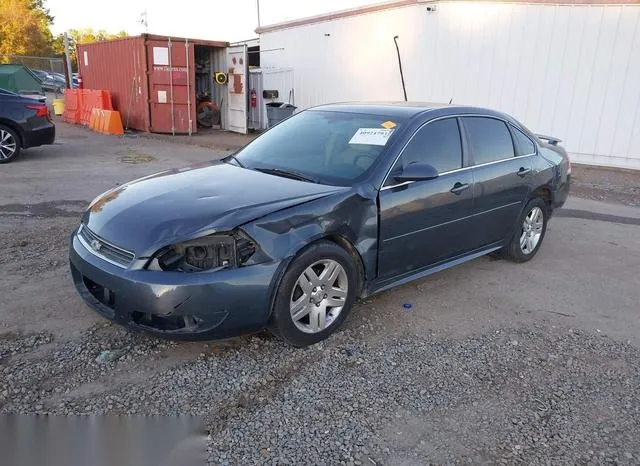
[523, 171]
[459, 187]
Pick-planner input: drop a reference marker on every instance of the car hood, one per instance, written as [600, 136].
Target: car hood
[180, 204]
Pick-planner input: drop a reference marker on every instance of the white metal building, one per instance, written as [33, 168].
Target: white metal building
[568, 69]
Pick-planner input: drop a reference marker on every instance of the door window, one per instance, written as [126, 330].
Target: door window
[524, 145]
[489, 139]
[437, 143]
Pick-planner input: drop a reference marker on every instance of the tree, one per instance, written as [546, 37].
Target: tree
[24, 28]
[88, 35]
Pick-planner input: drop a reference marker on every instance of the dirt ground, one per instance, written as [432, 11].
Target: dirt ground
[578, 297]
[606, 184]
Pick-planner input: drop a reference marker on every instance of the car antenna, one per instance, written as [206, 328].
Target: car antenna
[450, 100]
[404, 90]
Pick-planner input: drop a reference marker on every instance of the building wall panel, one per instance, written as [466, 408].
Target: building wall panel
[571, 71]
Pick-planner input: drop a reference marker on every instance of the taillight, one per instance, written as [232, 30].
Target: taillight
[41, 109]
[568, 165]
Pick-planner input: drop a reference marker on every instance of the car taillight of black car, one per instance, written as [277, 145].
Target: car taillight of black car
[41, 110]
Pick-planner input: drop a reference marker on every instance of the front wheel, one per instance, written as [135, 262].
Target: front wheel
[529, 232]
[315, 295]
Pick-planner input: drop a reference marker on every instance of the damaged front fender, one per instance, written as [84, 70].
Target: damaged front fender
[352, 215]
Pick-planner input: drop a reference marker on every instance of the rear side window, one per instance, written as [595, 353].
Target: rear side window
[489, 139]
[437, 144]
[524, 145]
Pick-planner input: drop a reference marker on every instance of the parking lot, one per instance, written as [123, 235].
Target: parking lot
[493, 362]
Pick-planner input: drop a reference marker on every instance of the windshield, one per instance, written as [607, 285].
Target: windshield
[329, 147]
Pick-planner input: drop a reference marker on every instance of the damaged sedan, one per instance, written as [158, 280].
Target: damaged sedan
[333, 204]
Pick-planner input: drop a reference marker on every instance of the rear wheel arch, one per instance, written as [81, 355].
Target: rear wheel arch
[544, 193]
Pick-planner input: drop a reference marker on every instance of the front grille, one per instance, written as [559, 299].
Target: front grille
[104, 249]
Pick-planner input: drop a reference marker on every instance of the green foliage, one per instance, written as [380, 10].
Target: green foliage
[85, 36]
[24, 30]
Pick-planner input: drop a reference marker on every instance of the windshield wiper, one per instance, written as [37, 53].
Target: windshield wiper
[233, 159]
[285, 174]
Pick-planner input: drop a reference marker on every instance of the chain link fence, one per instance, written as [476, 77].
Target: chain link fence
[50, 65]
[49, 70]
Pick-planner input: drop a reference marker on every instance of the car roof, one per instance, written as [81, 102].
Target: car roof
[406, 109]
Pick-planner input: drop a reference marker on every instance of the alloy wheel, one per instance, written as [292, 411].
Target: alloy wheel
[531, 230]
[8, 144]
[318, 296]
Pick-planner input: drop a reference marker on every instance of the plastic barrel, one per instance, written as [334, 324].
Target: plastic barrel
[58, 106]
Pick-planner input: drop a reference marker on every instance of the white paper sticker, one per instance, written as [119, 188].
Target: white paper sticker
[162, 97]
[161, 55]
[86, 58]
[371, 136]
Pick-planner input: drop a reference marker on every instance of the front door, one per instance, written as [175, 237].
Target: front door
[425, 222]
[237, 88]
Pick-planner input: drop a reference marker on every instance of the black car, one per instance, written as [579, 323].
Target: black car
[24, 123]
[335, 203]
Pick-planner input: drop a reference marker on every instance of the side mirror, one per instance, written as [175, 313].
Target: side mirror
[417, 171]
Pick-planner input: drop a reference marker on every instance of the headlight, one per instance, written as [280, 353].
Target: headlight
[213, 252]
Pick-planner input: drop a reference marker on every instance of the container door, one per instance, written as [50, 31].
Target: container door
[171, 86]
[237, 88]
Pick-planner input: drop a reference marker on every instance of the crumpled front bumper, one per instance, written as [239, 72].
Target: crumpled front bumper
[175, 304]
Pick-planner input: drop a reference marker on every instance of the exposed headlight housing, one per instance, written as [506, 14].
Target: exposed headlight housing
[218, 251]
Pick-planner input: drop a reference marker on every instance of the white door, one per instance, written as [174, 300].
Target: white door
[237, 89]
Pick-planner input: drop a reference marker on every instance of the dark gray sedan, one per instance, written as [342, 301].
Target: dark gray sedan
[335, 203]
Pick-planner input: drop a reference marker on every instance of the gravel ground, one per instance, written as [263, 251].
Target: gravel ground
[534, 395]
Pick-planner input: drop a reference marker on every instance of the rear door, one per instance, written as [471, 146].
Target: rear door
[237, 88]
[502, 175]
[425, 222]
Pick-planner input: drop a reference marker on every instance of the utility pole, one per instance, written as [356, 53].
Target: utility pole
[144, 21]
[68, 58]
[258, 10]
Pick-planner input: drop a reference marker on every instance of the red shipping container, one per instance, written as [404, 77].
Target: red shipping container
[151, 79]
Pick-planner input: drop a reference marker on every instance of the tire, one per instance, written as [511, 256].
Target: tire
[523, 245]
[9, 144]
[311, 302]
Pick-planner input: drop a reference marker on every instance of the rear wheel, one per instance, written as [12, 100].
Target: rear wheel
[315, 295]
[529, 232]
[9, 144]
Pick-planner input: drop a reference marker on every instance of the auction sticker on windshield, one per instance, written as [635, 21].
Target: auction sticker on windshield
[371, 136]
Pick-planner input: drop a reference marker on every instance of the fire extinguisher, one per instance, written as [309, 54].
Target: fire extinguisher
[254, 98]
[80, 82]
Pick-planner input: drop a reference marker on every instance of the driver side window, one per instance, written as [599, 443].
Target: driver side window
[437, 143]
